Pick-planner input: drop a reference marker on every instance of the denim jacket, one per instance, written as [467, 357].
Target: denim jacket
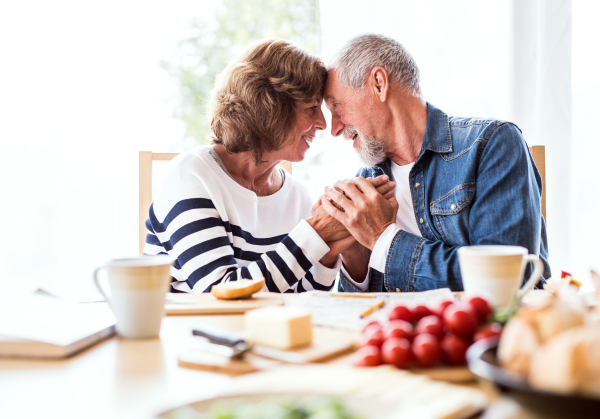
[474, 182]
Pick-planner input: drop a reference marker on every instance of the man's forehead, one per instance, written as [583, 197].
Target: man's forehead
[331, 86]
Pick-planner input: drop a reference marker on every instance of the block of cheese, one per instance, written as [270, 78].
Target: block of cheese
[278, 327]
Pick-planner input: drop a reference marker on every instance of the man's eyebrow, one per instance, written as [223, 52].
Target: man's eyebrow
[329, 96]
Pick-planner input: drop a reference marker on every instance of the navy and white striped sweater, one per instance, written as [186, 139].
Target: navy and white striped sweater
[217, 231]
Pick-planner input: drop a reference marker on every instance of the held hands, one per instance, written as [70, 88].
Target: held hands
[365, 212]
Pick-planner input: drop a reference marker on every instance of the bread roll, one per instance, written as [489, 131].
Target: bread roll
[242, 288]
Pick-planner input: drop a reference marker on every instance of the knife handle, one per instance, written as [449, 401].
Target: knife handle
[217, 335]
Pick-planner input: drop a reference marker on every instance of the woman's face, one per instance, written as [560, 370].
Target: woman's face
[309, 118]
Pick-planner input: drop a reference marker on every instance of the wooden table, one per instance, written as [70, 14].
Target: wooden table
[119, 378]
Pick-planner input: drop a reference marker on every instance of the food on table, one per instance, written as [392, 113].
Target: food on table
[397, 351]
[274, 408]
[569, 362]
[401, 312]
[368, 356]
[533, 326]
[487, 331]
[242, 288]
[481, 307]
[461, 319]
[411, 338]
[552, 284]
[431, 324]
[427, 350]
[557, 345]
[278, 327]
[372, 337]
[420, 311]
[398, 329]
[454, 350]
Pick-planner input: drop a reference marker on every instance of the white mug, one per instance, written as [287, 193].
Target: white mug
[497, 271]
[138, 289]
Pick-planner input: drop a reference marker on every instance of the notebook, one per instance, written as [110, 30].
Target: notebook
[37, 326]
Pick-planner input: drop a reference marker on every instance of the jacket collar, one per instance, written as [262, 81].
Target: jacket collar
[437, 132]
[437, 138]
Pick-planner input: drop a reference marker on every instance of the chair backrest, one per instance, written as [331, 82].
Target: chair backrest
[146, 159]
[538, 152]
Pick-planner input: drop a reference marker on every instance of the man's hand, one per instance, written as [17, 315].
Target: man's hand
[335, 248]
[366, 213]
[385, 188]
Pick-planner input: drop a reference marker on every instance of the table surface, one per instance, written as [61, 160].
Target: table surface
[120, 378]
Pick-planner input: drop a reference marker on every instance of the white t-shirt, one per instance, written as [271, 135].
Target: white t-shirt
[405, 220]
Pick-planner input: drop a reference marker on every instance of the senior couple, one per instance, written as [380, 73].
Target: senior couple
[432, 183]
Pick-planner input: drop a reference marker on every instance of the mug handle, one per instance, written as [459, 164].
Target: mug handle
[97, 282]
[535, 276]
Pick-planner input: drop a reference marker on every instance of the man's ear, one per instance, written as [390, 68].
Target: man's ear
[380, 83]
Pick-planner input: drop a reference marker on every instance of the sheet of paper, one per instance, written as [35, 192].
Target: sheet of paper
[343, 311]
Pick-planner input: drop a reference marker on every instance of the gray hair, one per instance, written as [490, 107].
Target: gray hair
[354, 62]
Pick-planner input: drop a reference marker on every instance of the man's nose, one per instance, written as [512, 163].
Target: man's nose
[337, 126]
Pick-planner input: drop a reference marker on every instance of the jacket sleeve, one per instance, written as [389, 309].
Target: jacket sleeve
[506, 210]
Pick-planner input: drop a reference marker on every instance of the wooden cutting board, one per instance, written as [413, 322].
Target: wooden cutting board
[186, 304]
[327, 343]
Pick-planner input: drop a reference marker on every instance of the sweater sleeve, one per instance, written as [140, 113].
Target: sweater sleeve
[202, 247]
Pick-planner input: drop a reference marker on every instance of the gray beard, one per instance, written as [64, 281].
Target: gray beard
[370, 151]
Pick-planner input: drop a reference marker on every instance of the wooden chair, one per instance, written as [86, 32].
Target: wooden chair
[146, 159]
[538, 152]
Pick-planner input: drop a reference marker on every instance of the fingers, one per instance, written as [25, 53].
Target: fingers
[386, 188]
[341, 193]
[317, 205]
[365, 187]
[378, 181]
[333, 211]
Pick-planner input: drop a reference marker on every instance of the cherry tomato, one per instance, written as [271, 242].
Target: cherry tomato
[440, 307]
[368, 356]
[460, 319]
[373, 324]
[427, 350]
[481, 306]
[398, 329]
[420, 311]
[401, 312]
[396, 351]
[431, 324]
[489, 330]
[372, 337]
[454, 350]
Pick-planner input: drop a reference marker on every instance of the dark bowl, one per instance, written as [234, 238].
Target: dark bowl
[483, 362]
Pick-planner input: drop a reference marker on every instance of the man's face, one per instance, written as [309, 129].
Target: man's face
[353, 117]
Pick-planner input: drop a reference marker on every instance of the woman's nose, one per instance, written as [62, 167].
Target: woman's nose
[320, 122]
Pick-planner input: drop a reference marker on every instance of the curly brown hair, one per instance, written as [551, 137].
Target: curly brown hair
[253, 104]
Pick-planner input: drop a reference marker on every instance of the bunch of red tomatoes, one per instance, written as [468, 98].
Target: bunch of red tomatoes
[426, 335]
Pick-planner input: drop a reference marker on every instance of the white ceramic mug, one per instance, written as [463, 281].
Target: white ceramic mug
[497, 271]
[138, 288]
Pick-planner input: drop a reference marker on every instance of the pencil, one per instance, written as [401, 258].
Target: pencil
[372, 309]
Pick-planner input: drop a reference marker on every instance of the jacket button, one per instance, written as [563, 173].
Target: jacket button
[398, 290]
[421, 221]
[453, 206]
[417, 185]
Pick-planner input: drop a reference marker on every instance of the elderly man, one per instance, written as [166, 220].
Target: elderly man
[459, 181]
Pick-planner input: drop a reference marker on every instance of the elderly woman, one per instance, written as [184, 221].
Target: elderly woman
[228, 211]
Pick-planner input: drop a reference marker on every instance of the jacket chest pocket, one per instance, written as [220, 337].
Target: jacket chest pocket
[451, 214]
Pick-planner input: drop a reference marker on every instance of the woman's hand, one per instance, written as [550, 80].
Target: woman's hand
[335, 248]
[326, 226]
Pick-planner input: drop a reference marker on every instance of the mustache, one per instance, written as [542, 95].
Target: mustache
[350, 132]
